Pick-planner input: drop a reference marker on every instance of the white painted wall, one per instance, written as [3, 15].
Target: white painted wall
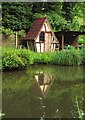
[38, 47]
[45, 26]
[42, 47]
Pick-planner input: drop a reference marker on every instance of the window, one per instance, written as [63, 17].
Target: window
[42, 36]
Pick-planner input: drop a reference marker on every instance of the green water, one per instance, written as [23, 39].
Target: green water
[43, 91]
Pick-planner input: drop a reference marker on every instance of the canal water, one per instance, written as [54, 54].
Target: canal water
[43, 91]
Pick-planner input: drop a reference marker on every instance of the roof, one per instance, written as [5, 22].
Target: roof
[75, 33]
[69, 36]
[35, 29]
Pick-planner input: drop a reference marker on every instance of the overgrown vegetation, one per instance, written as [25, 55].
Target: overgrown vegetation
[13, 58]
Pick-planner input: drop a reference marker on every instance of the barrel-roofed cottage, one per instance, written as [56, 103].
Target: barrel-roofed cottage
[40, 37]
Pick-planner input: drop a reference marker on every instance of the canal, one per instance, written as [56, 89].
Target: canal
[43, 91]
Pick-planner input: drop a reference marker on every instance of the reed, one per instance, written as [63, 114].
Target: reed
[78, 109]
[13, 58]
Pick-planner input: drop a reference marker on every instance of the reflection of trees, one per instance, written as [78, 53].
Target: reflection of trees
[62, 103]
[23, 104]
[22, 95]
[69, 83]
[16, 81]
[69, 73]
[62, 97]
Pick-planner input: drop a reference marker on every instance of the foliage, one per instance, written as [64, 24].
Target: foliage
[13, 58]
[81, 39]
[17, 58]
[18, 15]
[67, 8]
[82, 27]
[57, 21]
[7, 31]
[21, 33]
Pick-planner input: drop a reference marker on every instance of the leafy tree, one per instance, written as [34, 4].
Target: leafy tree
[43, 7]
[62, 15]
[16, 16]
[57, 21]
[66, 10]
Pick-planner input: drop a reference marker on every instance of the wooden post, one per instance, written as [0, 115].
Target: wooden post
[27, 44]
[16, 39]
[62, 41]
[77, 37]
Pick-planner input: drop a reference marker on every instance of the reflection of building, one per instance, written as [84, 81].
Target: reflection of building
[44, 80]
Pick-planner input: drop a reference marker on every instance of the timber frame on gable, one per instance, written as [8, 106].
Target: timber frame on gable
[40, 37]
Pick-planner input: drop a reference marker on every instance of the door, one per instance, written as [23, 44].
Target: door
[48, 38]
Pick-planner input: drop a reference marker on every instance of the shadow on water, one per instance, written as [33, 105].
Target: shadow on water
[43, 91]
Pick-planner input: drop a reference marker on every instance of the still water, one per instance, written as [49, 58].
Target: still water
[43, 91]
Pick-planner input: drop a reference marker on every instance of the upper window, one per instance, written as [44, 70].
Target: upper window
[42, 36]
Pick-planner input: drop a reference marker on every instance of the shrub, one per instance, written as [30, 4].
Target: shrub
[15, 58]
[21, 33]
[6, 31]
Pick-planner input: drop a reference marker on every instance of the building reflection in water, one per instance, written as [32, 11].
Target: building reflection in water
[44, 80]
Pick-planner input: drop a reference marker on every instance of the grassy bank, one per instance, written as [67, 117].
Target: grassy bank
[13, 58]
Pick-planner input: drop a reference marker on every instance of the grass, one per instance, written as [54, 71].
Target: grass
[13, 58]
[78, 109]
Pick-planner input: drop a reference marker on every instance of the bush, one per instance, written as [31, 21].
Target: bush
[6, 31]
[21, 33]
[17, 58]
[81, 41]
[14, 58]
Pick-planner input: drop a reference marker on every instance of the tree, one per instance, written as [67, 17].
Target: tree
[66, 10]
[57, 21]
[62, 15]
[16, 16]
